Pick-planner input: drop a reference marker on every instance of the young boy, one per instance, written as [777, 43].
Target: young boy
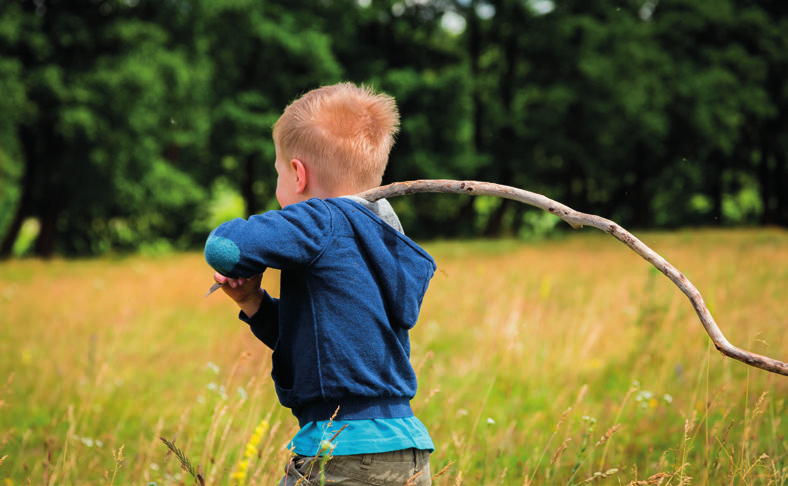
[351, 288]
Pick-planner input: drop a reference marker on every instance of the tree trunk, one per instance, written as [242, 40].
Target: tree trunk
[494, 226]
[767, 183]
[467, 214]
[517, 221]
[715, 167]
[475, 48]
[26, 202]
[780, 175]
[47, 237]
[13, 230]
[638, 197]
[247, 185]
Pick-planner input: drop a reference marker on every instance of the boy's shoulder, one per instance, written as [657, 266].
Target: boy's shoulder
[371, 227]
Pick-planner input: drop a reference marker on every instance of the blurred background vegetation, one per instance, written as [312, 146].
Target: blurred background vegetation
[138, 125]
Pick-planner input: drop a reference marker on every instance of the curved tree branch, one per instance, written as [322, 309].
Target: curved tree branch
[578, 220]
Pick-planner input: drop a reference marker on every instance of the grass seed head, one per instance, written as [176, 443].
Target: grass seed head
[560, 449]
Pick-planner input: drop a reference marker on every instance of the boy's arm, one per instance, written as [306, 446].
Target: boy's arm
[258, 309]
[241, 250]
[290, 238]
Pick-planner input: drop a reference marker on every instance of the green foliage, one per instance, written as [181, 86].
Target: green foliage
[15, 108]
[120, 117]
[23, 245]
[225, 204]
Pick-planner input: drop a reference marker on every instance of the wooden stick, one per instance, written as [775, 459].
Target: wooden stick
[578, 220]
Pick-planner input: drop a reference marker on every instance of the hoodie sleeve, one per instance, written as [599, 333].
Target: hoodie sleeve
[287, 239]
[264, 324]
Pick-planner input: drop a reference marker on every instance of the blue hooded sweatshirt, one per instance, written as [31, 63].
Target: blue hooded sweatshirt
[351, 289]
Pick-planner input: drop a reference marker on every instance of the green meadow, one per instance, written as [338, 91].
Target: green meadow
[564, 361]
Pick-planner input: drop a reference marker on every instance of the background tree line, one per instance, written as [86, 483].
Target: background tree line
[140, 124]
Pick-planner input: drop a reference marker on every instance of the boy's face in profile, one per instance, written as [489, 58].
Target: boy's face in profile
[291, 181]
[285, 182]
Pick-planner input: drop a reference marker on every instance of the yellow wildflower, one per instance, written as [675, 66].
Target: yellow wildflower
[249, 452]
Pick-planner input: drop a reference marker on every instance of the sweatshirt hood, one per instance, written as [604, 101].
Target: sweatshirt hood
[402, 268]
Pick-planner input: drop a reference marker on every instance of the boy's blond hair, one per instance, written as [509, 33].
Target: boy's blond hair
[343, 133]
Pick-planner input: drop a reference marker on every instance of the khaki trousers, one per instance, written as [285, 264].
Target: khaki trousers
[409, 467]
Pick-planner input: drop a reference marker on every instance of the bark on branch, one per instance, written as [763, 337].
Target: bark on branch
[578, 220]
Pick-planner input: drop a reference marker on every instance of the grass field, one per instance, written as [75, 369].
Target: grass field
[539, 363]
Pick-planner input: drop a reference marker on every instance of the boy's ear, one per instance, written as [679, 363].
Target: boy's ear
[300, 174]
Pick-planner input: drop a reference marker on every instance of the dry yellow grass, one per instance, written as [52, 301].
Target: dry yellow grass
[115, 353]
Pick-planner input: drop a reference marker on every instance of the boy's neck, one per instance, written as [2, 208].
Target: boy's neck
[324, 193]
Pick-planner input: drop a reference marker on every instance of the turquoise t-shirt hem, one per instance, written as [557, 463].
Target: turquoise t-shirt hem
[362, 436]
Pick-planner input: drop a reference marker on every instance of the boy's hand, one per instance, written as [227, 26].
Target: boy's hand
[246, 292]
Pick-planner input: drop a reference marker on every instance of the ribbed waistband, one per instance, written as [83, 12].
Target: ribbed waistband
[354, 409]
